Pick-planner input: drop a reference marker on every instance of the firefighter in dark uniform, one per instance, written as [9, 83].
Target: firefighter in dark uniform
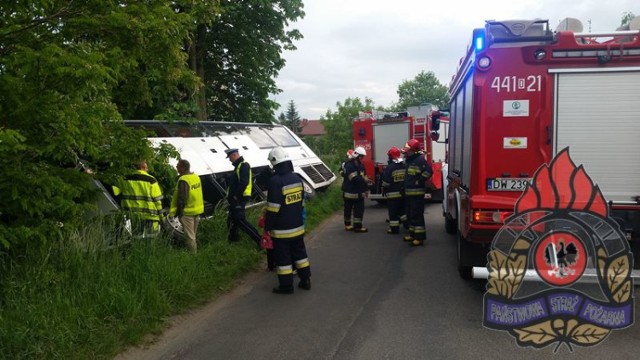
[240, 187]
[392, 185]
[354, 190]
[344, 163]
[418, 172]
[284, 222]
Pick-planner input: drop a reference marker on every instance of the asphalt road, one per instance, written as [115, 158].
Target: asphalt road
[373, 297]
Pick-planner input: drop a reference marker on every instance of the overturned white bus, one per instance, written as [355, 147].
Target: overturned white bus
[203, 144]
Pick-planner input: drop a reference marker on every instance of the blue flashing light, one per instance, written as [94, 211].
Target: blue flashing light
[479, 42]
[479, 39]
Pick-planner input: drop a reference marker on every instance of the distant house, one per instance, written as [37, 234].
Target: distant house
[311, 128]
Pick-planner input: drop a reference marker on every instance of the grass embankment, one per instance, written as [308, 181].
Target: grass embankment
[79, 301]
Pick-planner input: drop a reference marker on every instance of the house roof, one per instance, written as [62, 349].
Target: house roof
[311, 127]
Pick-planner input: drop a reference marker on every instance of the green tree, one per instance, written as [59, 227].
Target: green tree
[204, 14]
[244, 55]
[627, 16]
[338, 125]
[69, 71]
[424, 88]
[291, 118]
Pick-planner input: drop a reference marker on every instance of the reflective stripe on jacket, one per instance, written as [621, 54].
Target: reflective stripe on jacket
[393, 179]
[240, 185]
[417, 172]
[141, 194]
[285, 204]
[354, 183]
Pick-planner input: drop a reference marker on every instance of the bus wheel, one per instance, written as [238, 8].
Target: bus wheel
[464, 249]
[173, 226]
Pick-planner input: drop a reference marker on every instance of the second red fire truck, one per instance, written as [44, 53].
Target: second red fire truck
[377, 131]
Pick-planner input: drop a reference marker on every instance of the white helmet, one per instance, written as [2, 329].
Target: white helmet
[278, 155]
[359, 151]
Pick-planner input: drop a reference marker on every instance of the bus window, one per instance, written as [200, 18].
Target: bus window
[260, 137]
[282, 137]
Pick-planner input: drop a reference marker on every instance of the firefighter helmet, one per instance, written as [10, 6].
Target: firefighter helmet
[414, 145]
[350, 154]
[359, 151]
[277, 156]
[394, 153]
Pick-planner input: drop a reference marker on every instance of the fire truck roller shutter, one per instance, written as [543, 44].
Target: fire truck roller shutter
[597, 118]
[387, 135]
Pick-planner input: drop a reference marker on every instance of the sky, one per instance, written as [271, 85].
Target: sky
[366, 48]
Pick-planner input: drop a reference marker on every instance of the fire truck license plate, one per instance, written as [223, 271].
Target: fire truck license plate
[507, 184]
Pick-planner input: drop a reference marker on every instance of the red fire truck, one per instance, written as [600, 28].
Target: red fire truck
[523, 93]
[377, 131]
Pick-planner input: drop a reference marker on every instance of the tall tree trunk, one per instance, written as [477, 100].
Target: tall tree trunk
[201, 35]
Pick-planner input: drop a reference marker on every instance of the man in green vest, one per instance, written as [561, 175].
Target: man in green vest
[141, 196]
[187, 203]
[240, 187]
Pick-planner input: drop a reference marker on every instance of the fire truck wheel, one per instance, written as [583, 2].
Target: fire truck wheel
[450, 224]
[463, 255]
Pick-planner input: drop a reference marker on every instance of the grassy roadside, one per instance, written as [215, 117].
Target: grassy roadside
[77, 302]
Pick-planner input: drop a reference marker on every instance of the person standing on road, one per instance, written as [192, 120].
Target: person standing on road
[187, 203]
[240, 187]
[417, 172]
[354, 190]
[141, 196]
[284, 222]
[392, 184]
[344, 163]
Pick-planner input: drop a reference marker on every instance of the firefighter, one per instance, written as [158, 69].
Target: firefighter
[141, 196]
[392, 184]
[417, 172]
[187, 203]
[354, 190]
[240, 187]
[284, 222]
[344, 163]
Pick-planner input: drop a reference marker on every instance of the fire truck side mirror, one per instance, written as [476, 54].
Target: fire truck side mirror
[435, 122]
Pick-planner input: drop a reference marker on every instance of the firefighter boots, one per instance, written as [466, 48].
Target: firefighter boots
[361, 230]
[417, 242]
[407, 238]
[348, 227]
[305, 284]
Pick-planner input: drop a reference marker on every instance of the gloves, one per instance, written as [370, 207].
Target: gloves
[265, 241]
